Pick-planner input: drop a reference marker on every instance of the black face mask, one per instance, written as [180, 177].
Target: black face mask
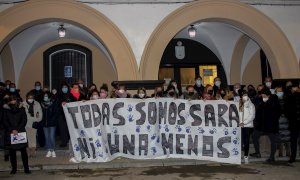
[223, 95]
[210, 92]
[159, 94]
[13, 107]
[171, 93]
[259, 92]
[191, 93]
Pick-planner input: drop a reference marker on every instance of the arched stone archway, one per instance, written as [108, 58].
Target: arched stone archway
[22, 16]
[255, 24]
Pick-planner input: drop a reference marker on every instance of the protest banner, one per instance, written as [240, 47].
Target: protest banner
[102, 130]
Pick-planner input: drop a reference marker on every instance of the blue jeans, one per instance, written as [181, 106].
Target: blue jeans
[50, 137]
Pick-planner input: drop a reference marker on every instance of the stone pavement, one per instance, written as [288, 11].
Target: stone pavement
[61, 162]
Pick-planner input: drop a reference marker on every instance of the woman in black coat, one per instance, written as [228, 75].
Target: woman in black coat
[14, 121]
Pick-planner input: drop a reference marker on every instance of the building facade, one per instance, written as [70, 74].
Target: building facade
[240, 41]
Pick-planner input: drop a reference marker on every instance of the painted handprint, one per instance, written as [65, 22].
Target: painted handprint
[82, 133]
[167, 128]
[130, 118]
[188, 129]
[98, 132]
[130, 108]
[148, 128]
[153, 137]
[235, 151]
[212, 131]
[153, 150]
[236, 141]
[226, 132]
[77, 147]
[98, 144]
[138, 129]
[234, 131]
[201, 130]
[179, 129]
[115, 130]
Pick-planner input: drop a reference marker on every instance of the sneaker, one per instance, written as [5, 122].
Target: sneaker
[73, 160]
[256, 155]
[246, 160]
[53, 154]
[49, 154]
[14, 171]
[27, 171]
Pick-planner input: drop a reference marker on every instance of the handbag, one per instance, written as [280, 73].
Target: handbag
[35, 125]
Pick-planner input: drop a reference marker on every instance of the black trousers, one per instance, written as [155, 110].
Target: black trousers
[246, 139]
[273, 139]
[41, 135]
[63, 130]
[294, 139]
[13, 158]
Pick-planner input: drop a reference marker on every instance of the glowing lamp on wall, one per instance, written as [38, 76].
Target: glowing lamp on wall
[192, 31]
[61, 31]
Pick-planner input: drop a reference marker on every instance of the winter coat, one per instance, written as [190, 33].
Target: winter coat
[199, 90]
[248, 114]
[267, 116]
[38, 95]
[50, 114]
[283, 124]
[14, 119]
[293, 111]
[37, 109]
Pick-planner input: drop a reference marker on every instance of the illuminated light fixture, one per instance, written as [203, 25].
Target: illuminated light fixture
[192, 31]
[61, 31]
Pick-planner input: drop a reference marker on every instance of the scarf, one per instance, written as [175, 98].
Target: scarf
[75, 94]
[30, 108]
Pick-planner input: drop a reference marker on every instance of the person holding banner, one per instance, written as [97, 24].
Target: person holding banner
[247, 114]
[158, 92]
[190, 93]
[14, 121]
[141, 93]
[267, 123]
[103, 91]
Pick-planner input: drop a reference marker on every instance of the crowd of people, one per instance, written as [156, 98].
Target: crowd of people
[264, 111]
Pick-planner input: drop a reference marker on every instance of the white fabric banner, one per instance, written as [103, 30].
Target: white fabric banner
[102, 130]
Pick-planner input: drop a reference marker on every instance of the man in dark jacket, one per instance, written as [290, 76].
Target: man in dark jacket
[37, 91]
[199, 86]
[293, 115]
[266, 122]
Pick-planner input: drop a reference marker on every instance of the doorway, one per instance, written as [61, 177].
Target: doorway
[67, 63]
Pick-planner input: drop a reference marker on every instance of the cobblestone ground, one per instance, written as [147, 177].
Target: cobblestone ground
[254, 171]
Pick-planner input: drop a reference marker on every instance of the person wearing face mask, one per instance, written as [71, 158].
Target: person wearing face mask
[14, 121]
[237, 92]
[76, 94]
[284, 133]
[171, 92]
[7, 85]
[122, 92]
[217, 86]
[251, 92]
[199, 86]
[190, 93]
[247, 115]
[64, 96]
[293, 115]
[103, 91]
[141, 93]
[37, 91]
[158, 92]
[82, 88]
[266, 123]
[91, 89]
[34, 114]
[49, 121]
[13, 91]
[210, 91]
[177, 87]
[94, 95]
[269, 84]
[222, 94]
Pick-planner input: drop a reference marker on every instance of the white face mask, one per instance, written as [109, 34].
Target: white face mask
[265, 99]
[245, 98]
[54, 91]
[30, 100]
[80, 85]
[95, 97]
[218, 83]
[268, 84]
[121, 91]
[141, 95]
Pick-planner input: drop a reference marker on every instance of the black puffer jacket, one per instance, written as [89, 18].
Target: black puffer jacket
[14, 119]
[293, 111]
[50, 114]
[267, 116]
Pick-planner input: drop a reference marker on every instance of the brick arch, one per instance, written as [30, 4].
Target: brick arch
[17, 18]
[255, 24]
